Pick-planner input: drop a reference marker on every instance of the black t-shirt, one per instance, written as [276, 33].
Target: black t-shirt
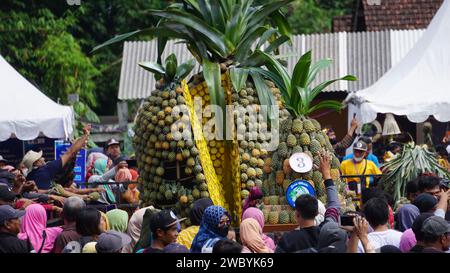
[297, 240]
[9, 243]
[417, 249]
[153, 250]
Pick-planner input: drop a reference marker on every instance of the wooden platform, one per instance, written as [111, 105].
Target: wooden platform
[279, 227]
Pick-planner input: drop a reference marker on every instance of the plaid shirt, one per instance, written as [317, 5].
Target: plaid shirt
[342, 145]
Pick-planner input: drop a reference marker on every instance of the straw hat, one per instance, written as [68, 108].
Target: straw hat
[30, 158]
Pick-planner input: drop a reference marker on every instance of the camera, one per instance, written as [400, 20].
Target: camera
[347, 220]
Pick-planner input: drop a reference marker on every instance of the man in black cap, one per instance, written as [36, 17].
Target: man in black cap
[436, 233]
[358, 165]
[113, 151]
[370, 155]
[164, 228]
[417, 229]
[7, 197]
[9, 228]
[112, 242]
[426, 202]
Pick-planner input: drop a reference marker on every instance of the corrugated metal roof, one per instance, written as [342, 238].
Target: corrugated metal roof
[137, 83]
[323, 46]
[367, 55]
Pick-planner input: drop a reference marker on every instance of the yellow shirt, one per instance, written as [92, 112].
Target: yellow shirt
[186, 236]
[349, 167]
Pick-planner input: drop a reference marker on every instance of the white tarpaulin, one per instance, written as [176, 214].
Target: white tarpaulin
[25, 112]
[419, 85]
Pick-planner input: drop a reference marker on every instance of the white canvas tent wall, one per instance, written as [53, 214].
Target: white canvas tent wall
[25, 112]
[419, 85]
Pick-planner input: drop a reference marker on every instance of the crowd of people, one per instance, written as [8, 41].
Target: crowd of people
[417, 225]
[35, 193]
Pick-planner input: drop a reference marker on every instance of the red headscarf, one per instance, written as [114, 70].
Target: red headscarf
[255, 194]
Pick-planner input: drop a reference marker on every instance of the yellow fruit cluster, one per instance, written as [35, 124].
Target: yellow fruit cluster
[218, 149]
[214, 186]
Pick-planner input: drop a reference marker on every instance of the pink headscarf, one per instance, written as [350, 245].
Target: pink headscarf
[257, 214]
[92, 158]
[251, 237]
[408, 240]
[123, 175]
[34, 224]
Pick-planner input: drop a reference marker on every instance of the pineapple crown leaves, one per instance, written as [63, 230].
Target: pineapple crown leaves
[171, 72]
[221, 31]
[413, 161]
[296, 90]
[218, 30]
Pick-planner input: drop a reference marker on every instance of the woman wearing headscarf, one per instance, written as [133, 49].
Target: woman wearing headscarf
[101, 174]
[406, 216]
[251, 237]
[34, 229]
[118, 220]
[104, 222]
[186, 236]
[131, 194]
[253, 198]
[407, 241]
[257, 214]
[214, 227]
[134, 228]
[92, 157]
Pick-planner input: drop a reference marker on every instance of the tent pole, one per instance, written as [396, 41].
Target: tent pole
[419, 133]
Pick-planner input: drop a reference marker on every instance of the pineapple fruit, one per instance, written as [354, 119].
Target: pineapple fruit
[284, 217]
[157, 148]
[309, 139]
[273, 217]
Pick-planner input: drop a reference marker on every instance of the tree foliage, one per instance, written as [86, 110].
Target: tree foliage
[49, 42]
[315, 16]
[40, 47]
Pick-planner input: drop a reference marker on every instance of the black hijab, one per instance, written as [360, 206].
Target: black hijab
[196, 213]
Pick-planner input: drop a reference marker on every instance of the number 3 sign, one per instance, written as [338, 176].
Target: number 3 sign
[301, 162]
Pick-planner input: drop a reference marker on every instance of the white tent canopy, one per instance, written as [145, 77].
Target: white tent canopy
[419, 85]
[25, 112]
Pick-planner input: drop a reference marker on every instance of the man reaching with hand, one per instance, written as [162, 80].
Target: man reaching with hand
[43, 173]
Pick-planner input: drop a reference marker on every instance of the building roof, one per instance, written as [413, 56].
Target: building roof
[367, 55]
[378, 15]
[399, 14]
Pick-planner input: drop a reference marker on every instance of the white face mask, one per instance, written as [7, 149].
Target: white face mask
[25, 172]
[358, 159]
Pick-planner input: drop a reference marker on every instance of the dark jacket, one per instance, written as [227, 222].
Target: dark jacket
[9, 243]
[307, 239]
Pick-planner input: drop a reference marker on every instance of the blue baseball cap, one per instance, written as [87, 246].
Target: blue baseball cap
[7, 213]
